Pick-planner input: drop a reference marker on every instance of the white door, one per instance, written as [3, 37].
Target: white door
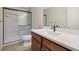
[1, 28]
[1, 32]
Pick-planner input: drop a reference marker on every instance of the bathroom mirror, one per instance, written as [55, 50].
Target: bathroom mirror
[64, 17]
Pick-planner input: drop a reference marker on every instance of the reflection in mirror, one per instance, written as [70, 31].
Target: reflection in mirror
[45, 20]
[64, 17]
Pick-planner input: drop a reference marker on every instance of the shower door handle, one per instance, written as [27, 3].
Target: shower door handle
[28, 25]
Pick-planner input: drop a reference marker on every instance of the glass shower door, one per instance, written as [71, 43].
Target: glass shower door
[10, 26]
[16, 25]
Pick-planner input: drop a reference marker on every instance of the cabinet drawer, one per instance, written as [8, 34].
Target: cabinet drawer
[53, 46]
[37, 37]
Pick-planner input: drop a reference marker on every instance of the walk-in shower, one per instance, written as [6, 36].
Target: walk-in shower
[16, 24]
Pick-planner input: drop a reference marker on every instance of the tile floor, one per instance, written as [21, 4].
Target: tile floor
[16, 47]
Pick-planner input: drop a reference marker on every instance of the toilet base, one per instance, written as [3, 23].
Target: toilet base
[27, 44]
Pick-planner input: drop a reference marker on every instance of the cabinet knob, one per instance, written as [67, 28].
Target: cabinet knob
[42, 49]
[38, 45]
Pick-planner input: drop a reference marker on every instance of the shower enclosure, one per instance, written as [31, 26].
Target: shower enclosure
[16, 24]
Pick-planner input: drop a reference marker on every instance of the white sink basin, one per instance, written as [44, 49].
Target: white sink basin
[51, 33]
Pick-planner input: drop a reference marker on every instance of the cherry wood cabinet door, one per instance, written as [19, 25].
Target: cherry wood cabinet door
[36, 45]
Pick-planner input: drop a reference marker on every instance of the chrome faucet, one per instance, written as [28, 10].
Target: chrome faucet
[54, 28]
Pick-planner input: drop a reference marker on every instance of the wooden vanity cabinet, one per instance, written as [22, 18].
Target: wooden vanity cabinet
[53, 46]
[42, 44]
[36, 42]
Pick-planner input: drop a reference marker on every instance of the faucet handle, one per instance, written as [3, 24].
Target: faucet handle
[57, 26]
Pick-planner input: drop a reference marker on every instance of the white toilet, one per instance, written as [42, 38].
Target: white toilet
[27, 40]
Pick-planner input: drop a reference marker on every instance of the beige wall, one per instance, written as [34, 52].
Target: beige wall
[73, 17]
[37, 17]
[56, 16]
[1, 27]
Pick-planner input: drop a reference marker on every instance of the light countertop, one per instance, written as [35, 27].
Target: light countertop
[67, 40]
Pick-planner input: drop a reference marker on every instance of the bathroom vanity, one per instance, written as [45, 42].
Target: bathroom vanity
[41, 41]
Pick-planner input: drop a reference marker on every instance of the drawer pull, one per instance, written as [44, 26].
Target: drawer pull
[42, 49]
[38, 45]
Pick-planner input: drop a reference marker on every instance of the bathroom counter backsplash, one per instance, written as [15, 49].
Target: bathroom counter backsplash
[67, 40]
[70, 31]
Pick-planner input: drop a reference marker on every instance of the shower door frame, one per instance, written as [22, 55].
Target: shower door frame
[14, 10]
